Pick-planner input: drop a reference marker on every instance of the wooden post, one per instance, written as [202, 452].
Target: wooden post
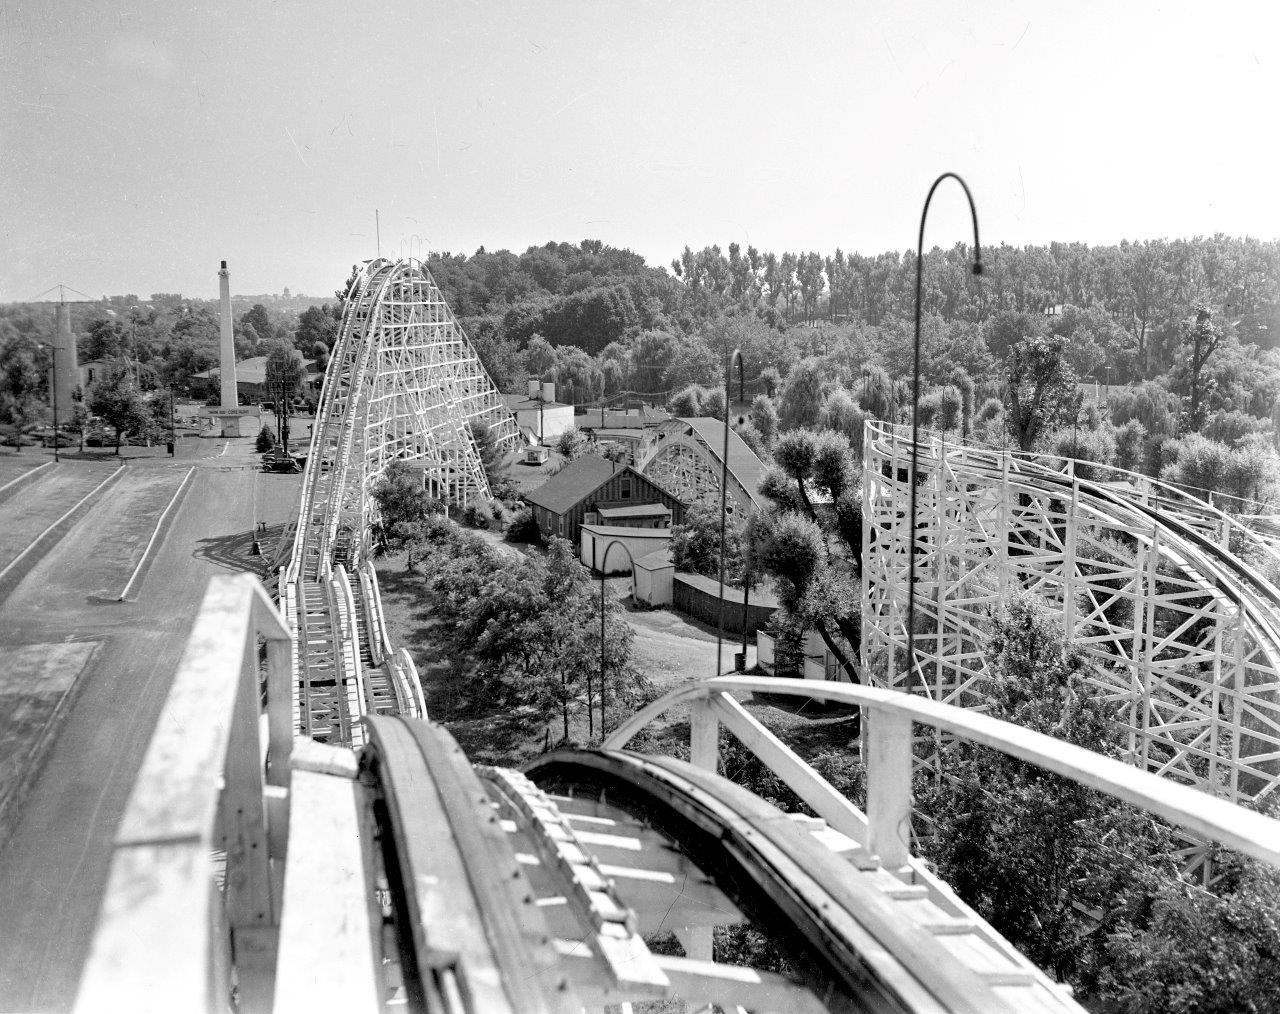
[1003, 551]
[1069, 559]
[1145, 667]
[888, 737]
[868, 477]
[704, 736]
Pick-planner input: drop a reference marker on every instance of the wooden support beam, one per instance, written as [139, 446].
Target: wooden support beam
[889, 787]
[704, 731]
[829, 804]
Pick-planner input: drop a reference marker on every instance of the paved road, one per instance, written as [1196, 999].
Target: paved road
[54, 866]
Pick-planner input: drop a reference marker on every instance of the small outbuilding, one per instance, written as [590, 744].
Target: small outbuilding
[612, 549]
[591, 484]
[539, 412]
[652, 578]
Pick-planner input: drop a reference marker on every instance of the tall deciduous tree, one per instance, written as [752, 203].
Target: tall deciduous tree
[118, 402]
[1200, 340]
[1041, 391]
[813, 550]
[403, 509]
[21, 381]
[801, 397]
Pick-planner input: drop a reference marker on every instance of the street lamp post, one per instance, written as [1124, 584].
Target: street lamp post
[53, 386]
[735, 357]
[173, 431]
[915, 402]
[604, 729]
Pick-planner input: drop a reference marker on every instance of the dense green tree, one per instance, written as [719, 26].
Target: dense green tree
[22, 381]
[117, 400]
[842, 414]
[764, 417]
[801, 398]
[1023, 846]
[1200, 340]
[316, 325]
[260, 320]
[812, 549]
[695, 544]
[1040, 391]
[572, 443]
[403, 512]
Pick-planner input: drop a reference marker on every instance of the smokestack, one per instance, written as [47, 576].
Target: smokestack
[66, 368]
[228, 357]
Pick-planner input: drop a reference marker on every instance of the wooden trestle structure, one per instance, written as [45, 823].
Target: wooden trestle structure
[1167, 595]
[403, 383]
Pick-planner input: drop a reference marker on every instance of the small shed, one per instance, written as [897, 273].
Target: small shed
[652, 578]
[602, 546]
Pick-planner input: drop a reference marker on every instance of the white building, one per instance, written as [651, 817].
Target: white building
[539, 412]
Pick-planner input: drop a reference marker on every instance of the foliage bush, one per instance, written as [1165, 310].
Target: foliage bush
[478, 515]
[523, 527]
[266, 440]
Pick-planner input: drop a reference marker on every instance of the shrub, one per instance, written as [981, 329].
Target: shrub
[266, 440]
[478, 515]
[521, 527]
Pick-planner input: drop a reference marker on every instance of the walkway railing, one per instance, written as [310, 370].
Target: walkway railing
[210, 783]
[887, 728]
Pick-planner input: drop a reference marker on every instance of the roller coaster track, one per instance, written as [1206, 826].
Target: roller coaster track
[685, 460]
[345, 854]
[402, 383]
[1173, 600]
[400, 875]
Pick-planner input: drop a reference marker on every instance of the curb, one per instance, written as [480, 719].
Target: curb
[166, 518]
[31, 766]
[21, 565]
[14, 485]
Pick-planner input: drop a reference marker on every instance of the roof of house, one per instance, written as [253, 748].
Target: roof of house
[639, 510]
[577, 480]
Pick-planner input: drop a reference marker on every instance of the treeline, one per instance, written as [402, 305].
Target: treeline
[590, 295]
[168, 340]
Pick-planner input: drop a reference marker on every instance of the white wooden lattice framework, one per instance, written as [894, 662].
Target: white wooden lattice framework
[1166, 594]
[685, 461]
[403, 382]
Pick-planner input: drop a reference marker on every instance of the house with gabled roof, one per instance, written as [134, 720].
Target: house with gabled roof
[580, 491]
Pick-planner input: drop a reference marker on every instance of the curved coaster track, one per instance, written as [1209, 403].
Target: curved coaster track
[336, 850]
[1171, 599]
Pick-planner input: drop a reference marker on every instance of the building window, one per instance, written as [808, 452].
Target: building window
[625, 494]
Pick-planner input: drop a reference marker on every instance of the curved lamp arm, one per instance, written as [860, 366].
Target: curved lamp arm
[915, 399]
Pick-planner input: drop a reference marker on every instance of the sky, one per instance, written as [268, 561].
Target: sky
[142, 142]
